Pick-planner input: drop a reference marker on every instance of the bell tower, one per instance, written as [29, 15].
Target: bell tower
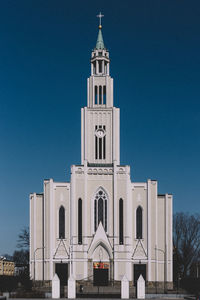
[100, 120]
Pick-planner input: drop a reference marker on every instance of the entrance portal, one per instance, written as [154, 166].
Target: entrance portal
[100, 274]
[139, 269]
[62, 272]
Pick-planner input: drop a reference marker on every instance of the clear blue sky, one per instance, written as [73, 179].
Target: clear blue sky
[45, 49]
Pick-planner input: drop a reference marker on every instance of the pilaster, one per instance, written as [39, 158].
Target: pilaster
[85, 218]
[82, 135]
[149, 228]
[72, 217]
[115, 214]
[52, 224]
[166, 237]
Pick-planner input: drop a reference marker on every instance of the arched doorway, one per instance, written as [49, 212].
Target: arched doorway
[101, 266]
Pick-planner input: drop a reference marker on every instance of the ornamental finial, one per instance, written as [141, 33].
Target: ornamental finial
[100, 16]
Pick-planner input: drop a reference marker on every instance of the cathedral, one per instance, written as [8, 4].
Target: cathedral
[101, 226]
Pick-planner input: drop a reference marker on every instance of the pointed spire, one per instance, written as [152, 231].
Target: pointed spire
[100, 43]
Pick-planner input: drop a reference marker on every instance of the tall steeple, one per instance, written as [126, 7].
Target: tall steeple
[100, 119]
[100, 73]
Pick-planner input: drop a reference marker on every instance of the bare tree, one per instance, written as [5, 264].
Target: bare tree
[23, 239]
[21, 256]
[186, 240]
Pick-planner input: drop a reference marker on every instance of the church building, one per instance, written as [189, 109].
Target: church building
[101, 226]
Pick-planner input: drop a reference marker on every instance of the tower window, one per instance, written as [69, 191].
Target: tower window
[100, 94]
[100, 209]
[100, 66]
[100, 148]
[104, 147]
[80, 221]
[104, 94]
[96, 147]
[61, 223]
[100, 143]
[121, 222]
[96, 94]
[139, 223]
[104, 144]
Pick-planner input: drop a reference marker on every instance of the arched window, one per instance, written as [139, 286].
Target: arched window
[139, 223]
[121, 222]
[61, 223]
[100, 209]
[80, 221]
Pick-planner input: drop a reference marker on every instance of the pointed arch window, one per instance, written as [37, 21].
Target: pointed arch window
[121, 222]
[61, 223]
[100, 209]
[139, 223]
[79, 221]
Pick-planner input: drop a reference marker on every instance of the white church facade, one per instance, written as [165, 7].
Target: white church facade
[101, 226]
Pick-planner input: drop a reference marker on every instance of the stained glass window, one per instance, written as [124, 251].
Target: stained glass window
[100, 209]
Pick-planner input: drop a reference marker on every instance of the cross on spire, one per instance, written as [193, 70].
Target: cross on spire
[100, 16]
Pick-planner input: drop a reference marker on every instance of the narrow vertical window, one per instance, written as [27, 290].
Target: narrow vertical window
[100, 148]
[96, 148]
[100, 66]
[96, 95]
[96, 145]
[104, 147]
[100, 94]
[100, 211]
[121, 221]
[105, 216]
[80, 221]
[139, 223]
[95, 215]
[104, 94]
[104, 144]
[61, 223]
[100, 142]
[94, 67]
